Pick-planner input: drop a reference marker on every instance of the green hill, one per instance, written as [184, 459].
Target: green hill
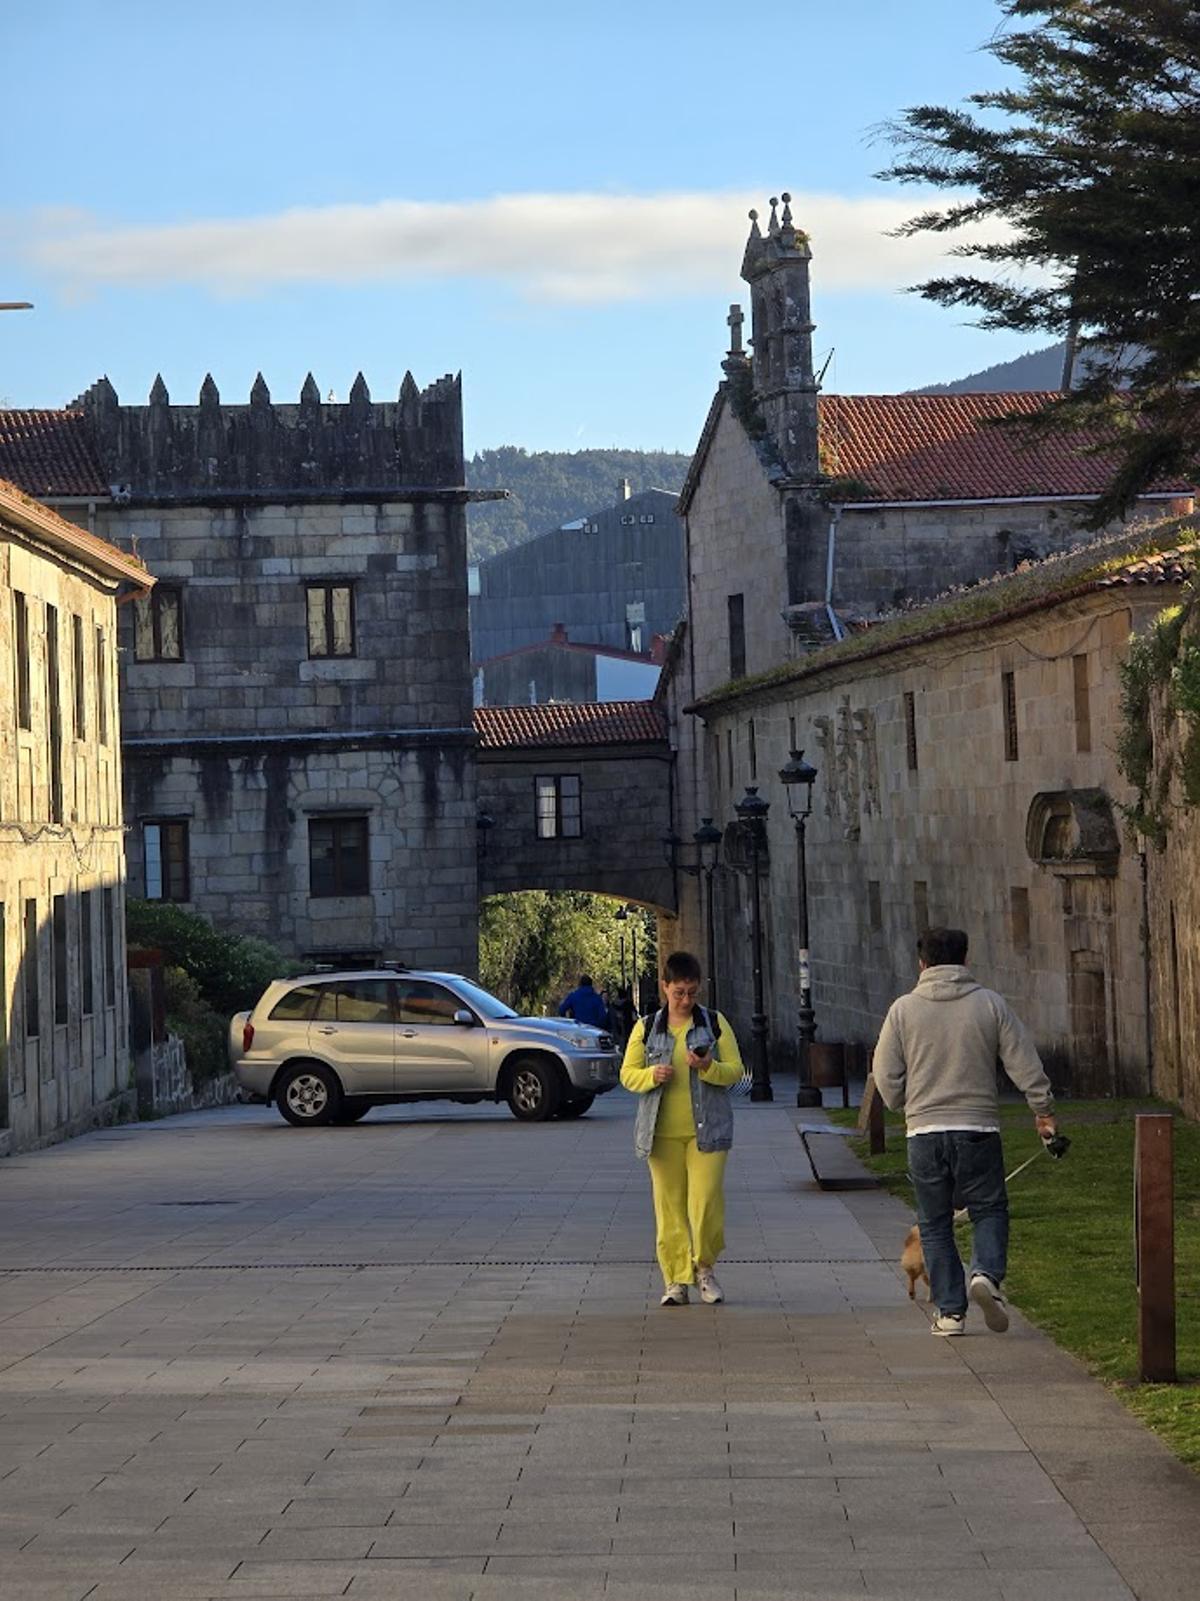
[551, 487]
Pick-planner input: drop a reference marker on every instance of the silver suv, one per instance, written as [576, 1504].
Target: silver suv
[329, 1046]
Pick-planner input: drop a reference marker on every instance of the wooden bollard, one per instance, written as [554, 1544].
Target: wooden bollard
[1154, 1227]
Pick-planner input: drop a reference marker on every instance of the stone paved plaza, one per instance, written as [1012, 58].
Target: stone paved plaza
[423, 1358]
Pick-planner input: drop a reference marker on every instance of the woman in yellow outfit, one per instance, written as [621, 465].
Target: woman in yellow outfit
[682, 1063]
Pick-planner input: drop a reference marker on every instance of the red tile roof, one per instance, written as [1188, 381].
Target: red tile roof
[942, 447]
[50, 453]
[1165, 567]
[612, 722]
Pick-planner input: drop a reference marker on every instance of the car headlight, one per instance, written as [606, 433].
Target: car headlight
[582, 1042]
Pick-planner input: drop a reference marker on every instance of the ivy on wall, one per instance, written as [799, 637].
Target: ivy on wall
[1161, 671]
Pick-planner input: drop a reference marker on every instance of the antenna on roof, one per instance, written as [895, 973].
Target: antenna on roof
[825, 365]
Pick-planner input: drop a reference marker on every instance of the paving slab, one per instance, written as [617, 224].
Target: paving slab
[423, 1357]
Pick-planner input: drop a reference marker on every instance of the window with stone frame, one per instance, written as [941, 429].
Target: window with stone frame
[87, 973]
[58, 932]
[101, 687]
[108, 900]
[736, 605]
[158, 625]
[78, 678]
[165, 853]
[21, 647]
[337, 856]
[1008, 701]
[29, 962]
[330, 611]
[558, 806]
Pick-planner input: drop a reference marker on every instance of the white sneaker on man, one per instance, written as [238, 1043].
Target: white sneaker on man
[990, 1302]
[675, 1295]
[710, 1291]
[949, 1323]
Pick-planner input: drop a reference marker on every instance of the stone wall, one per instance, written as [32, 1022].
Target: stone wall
[626, 794]
[63, 1008]
[248, 805]
[893, 848]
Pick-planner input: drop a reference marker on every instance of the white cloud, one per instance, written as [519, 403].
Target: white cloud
[580, 248]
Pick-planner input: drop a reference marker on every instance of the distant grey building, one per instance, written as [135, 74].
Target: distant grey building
[561, 669]
[614, 577]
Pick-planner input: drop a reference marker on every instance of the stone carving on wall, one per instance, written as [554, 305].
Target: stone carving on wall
[868, 760]
[847, 771]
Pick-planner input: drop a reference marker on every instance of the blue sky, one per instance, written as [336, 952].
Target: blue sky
[549, 197]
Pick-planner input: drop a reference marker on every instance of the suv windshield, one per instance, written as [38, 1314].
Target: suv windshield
[489, 1005]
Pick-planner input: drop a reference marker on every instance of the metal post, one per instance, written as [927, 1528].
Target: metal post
[760, 1088]
[712, 937]
[623, 983]
[1154, 1227]
[637, 977]
[806, 1094]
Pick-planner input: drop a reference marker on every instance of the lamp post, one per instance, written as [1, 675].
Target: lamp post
[752, 812]
[707, 840]
[484, 823]
[708, 844]
[622, 916]
[798, 778]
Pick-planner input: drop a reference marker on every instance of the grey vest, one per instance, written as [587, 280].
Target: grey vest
[711, 1106]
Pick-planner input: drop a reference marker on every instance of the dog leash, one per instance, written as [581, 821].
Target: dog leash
[1055, 1146]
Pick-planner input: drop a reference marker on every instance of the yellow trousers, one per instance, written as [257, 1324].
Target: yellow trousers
[689, 1206]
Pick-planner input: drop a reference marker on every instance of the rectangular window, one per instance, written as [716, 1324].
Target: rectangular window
[101, 687]
[1083, 704]
[921, 905]
[58, 927]
[330, 620]
[875, 905]
[737, 636]
[558, 806]
[21, 642]
[109, 899]
[337, 856]
[1019, 918]
[29, 957]
[53, 715]
[165, 850]
[86, 975]
[78, 678]
[1008, 689]
[752, 749]
[910, 730]
[158, 625]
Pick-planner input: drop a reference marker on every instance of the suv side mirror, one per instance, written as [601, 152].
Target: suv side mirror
[467, 1019]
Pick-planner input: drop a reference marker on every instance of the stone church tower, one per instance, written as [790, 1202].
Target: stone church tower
[775, 266]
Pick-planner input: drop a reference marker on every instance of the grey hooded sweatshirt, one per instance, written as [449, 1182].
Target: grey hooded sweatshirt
[938, 1050]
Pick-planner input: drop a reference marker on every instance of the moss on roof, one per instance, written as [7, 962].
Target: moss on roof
[1035, 585]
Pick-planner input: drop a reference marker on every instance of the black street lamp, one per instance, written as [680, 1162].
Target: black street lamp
[752, 813]
[798, 778]
[707, 839]
[484, 823]
[622, 916]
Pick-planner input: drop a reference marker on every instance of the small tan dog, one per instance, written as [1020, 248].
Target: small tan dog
[912, 1260]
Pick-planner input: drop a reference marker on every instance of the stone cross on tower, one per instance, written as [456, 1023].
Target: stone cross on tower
[736, 360]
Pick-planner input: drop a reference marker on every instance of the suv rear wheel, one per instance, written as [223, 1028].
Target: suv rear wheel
[533, 1090]
[308, 1095]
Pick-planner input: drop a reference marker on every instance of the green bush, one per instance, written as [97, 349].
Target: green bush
[196, 1024]
[230, 970]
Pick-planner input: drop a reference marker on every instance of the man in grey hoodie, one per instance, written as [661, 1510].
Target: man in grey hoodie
[936, 1057]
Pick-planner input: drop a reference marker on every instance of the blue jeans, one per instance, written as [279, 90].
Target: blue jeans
[959, 1169]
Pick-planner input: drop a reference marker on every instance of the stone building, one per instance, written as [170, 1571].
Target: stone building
[966, 775]
[807, 516]
[613, 578]
[562, 669]
[296, 717]
[64, 1060]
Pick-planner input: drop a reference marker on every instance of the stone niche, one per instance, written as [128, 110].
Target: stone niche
[1071, 833]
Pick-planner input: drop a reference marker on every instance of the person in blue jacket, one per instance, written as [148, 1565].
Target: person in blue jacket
[585, 1005]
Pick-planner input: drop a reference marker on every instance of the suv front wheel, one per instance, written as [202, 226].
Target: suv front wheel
[308, 1095]
[533, 1090]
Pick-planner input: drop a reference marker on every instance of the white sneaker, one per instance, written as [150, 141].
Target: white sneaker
[990, 1302]
[949, 1324]
[710, 1291]
[675, 1295]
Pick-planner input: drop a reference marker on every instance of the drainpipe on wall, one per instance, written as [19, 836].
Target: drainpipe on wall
[834, 518]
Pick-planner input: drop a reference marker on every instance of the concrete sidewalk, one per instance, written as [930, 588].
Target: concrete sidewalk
[423, 1358]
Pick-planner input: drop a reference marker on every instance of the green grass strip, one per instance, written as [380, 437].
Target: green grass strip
[1071, 1258]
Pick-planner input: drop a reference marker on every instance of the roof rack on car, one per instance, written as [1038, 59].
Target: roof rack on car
[396, 967]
